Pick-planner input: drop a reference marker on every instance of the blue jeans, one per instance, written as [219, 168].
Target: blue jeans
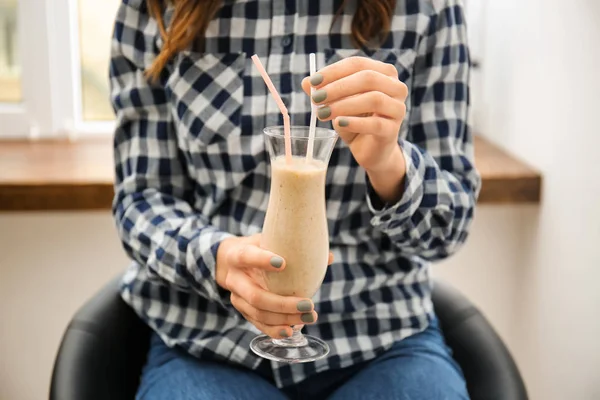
[418, 367]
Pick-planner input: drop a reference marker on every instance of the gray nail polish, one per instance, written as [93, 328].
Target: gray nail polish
[324, 112]
[308, 318]
[304, 306]
[319, 96]
[283, 333]
[316, 79]
[343, 122]
[276, 261]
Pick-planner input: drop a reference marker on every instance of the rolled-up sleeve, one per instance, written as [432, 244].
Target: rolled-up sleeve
[433, 217]
[157, 224]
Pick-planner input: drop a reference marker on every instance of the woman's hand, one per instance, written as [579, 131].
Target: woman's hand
[240, 265]
[365, 101]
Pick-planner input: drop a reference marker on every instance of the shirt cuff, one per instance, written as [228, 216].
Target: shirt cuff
[202, 262]
[386, 216]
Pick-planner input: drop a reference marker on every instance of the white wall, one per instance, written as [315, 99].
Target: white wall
[49, 265]
[541, 100]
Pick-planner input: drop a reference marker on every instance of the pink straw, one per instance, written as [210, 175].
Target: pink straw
[286, 118]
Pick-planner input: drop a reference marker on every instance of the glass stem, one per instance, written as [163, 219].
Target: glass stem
[296, 340]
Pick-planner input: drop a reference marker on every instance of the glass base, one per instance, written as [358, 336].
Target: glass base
[297, 349]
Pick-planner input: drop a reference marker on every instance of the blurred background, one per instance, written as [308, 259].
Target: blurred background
[534, 269]
[9, 62]
[95, 29]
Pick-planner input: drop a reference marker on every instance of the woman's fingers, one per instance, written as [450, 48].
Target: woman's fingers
[347, 67]
[270, 313]
[271, 318]
[249, 255]
[349, 127]
[274, 331]
[242, 285]
[365, 103]
[360, 82]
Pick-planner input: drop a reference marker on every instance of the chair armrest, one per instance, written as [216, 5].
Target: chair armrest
[489, 368]
[102, 351]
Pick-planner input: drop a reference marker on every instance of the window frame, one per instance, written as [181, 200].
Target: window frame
[51, 85]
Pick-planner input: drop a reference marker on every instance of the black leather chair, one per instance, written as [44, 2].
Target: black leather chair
[104, 348]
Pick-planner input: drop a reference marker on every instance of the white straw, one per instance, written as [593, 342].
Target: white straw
[313, 111]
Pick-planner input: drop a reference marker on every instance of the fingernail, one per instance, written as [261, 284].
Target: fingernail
[283, 333]
[304, 305]
[324, 112]
[316, 79]
[308, 318]
[343, 122]
[276, 261]
[319, 96]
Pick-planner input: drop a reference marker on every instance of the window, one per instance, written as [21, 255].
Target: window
[95, 30]
[10, 82]
[54, 58]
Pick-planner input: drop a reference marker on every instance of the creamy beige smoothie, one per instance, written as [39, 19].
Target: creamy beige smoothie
[295, 226]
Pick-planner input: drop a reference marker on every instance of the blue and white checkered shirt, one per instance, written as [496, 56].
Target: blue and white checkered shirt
[192, 169]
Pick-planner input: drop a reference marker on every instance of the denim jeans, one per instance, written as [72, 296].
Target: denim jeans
[418, 367]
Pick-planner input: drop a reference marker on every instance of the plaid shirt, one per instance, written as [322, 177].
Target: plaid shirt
[191, 170]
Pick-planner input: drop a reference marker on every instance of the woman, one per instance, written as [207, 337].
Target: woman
[192, 190]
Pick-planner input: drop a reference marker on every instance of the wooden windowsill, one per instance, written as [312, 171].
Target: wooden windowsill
[60, 175]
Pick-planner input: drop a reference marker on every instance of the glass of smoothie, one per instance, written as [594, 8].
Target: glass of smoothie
[295, 228]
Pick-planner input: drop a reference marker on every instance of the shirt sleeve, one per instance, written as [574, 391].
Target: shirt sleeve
[152, 207]
[433, 217]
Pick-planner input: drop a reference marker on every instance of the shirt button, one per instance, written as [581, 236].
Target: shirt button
[286, 41]
[386, 218]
